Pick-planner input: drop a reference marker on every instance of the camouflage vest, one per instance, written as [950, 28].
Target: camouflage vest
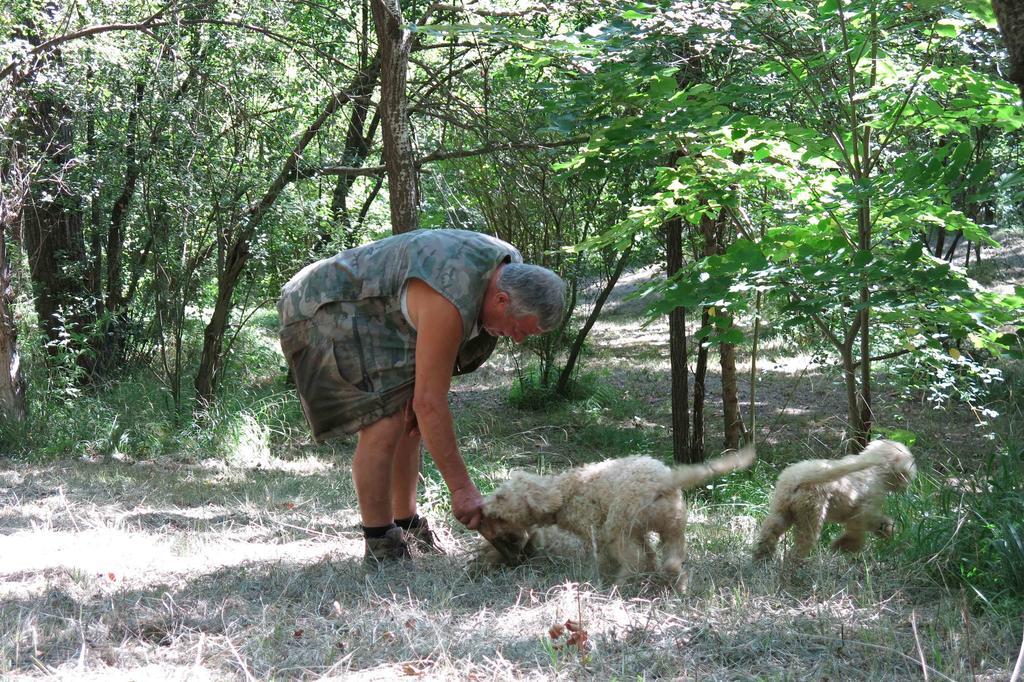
[455, 263]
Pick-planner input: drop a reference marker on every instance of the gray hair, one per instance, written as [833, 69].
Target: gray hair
[534, 290]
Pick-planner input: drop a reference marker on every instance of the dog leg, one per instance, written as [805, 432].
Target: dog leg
[807, 531]
[628, 551]
[773, 528]
[670, 525]
[851, 541]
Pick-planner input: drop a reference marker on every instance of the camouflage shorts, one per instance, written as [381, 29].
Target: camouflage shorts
[352, 365]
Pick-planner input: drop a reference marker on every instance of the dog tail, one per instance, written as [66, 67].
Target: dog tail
[691, 475]
[832, 470]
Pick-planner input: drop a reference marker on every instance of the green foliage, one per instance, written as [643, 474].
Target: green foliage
[528, 391]
[967, 530]
[136, 417]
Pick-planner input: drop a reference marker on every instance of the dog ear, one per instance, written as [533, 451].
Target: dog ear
[540, 494]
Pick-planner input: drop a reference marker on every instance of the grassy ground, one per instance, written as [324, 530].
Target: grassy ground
[248, 565]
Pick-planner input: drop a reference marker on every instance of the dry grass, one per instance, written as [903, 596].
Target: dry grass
[149, 572]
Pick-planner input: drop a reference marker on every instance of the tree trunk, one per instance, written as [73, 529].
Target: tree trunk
[677, 351]
[730, 394]
[95, 248]
[53, 235]
[862, 430]
[1010, 16]
[394, 43]
[940, 242]
[357, 147]
[699, 391]
[752, 430]
[119, 211]
[952, 247]
[12, 382]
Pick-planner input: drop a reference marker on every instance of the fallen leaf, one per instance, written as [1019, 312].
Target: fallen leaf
[580, 639]
[298, 633]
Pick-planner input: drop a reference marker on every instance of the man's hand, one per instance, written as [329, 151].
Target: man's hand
[467, 506]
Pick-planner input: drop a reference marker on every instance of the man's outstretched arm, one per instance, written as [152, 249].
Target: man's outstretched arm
[438, 337]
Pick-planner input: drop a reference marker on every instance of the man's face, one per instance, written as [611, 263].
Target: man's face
[498, 320]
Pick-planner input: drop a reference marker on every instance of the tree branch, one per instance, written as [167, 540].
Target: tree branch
[305, 173]
[886, 356]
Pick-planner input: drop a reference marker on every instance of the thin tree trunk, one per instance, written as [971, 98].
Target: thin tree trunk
[752, 431]
[357, 146]
[1010, 16]
[862, 432]
[850, 381]
[952, 247]
[95, 246]
[565, 376]
[681, 451]
[699, 391]
[730, 394]
[119, 211]
[394, 43]
[940, 242]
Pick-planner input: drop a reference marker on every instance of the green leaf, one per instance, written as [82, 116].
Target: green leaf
[826, 7]
[731, 335]
[663, 85]
[913, 253]
[947, 28]
[635, 15]
[908, 438]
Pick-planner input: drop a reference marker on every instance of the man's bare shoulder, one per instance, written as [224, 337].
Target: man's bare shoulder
[427, 307]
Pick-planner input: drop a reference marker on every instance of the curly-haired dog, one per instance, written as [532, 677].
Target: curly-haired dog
[850, 491]
[613, 504]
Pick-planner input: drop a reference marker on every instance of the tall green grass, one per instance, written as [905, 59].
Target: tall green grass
[968, 531]
[133, 415]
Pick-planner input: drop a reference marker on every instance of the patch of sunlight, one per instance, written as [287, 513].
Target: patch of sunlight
[310, 465]
[169, 672]
[111, 560]
[792, 365]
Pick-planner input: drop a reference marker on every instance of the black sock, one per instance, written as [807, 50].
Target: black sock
[376, 531]
[411, 522]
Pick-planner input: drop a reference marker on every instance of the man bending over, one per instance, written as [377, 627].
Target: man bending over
[373, 336]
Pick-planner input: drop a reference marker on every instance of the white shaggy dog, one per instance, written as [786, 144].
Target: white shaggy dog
[612, 505]
[850, 491]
